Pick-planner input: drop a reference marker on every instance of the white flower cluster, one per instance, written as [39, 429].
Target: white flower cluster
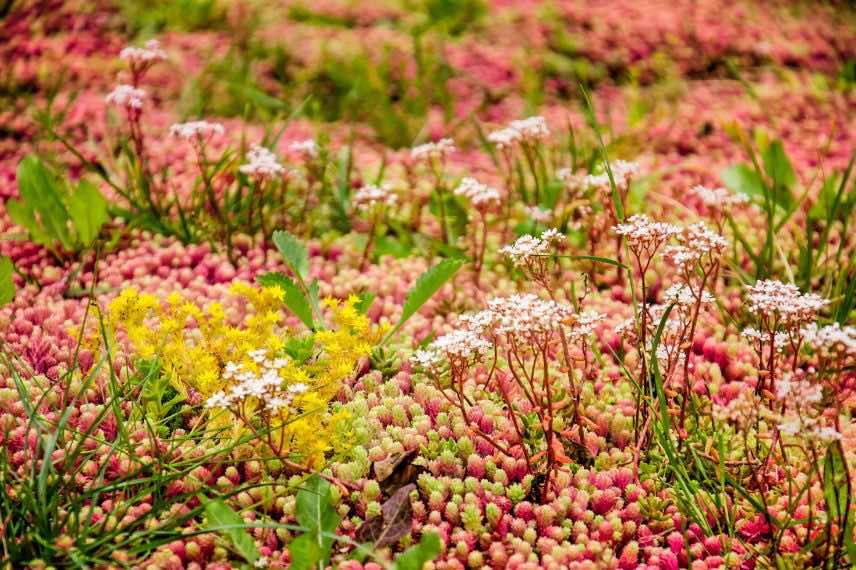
[808, 428]
[527, 318]
[622, 172]
[696, 242]
[833, 338]
[523, 130]
[780, 339]
[371, 195]
[666, 352]
[265, 385]
[149, 53]
[683, 296]
[432, 150]
[481, 196]
[540, 215]
[308, 147]
[126, 96]
[800, 391]
[718, 198]
[771, 298]
[196, 130]
[642, 233]
[459, 346]
[521, 315]
[585, 323]
[261, 163]
[526, 247]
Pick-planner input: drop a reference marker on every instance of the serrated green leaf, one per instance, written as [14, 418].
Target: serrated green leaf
[7, 284]
[292, 296]
[293, 252]
[221, 518]
[88, 211]
[426, 285]
[415, 557]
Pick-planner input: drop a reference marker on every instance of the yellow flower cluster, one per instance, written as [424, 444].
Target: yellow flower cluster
[197, 348]
[194, 358]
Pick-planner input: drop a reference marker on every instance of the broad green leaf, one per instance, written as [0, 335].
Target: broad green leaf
[41, 191]
[7, 284]
[305, 553]
[221, 518]
[426, 285]
[318, 517]
[293, 252]
[415, 557]
[777, 166]
[742, 178]
[392, 246]
[292, 296]
[22, 214]
[88, 211]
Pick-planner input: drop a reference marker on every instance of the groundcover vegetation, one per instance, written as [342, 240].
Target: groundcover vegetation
[427, 284]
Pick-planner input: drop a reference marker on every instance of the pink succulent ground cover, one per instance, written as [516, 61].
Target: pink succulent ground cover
[643, 357]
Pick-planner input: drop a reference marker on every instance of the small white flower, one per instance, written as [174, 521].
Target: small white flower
[682, 296]
[308, 147]
[218, 400]
[432, 150]
[826, 434]
[833, 338]
[126, 96]
[696, 242]
[769, 298]
[718, 198]
[460, 345]
[527, 247]
[149, 54]
[521, 131]
[196, 130]
[622, 172]
[642, 233]
[371, 195]
[540, 215]
[780, 339]
[261, 163]
[480, 195]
